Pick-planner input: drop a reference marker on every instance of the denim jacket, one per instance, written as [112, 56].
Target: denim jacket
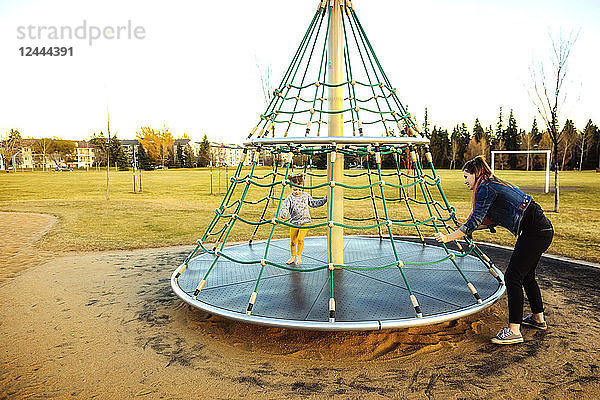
[503, 204]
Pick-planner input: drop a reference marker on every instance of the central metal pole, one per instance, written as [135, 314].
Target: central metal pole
[335, 124]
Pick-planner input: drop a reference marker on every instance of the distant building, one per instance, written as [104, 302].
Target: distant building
[226, 154]
[30, 157]
[180, 143]
[128, 144]
[25, 160]
[85, 156]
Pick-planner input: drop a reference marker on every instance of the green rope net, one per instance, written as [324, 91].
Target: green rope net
[402, 198]
[299, 103]
[416, 194]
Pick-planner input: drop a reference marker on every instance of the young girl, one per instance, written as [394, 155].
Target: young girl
[496, 202]
[295, 206]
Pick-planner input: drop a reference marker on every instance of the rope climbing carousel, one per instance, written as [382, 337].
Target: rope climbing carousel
[370, 279]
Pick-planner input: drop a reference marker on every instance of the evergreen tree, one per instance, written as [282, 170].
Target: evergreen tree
[592, 155]
[204, 155]
[434, 147]
[426, 125]
[439, 146]
[388, 161]
[144, 159]
[464, 138]
[320, 160]
[489, 134]
[499, 125]
[179, 161]
[510, 137]
[117, 154]
[568, 138]
[112, 147]
[478, 132]
[496, 141]
[536, 135]
[189, 160]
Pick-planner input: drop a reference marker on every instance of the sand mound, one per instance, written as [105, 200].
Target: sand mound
[342, 346]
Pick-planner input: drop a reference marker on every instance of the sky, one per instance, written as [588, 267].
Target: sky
[193, 66]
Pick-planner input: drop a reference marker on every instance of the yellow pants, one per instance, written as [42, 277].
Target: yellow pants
[297, 240]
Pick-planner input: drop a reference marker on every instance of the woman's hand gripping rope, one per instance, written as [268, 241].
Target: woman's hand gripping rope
[440, 237]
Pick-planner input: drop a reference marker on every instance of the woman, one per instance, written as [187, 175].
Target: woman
[496, 202]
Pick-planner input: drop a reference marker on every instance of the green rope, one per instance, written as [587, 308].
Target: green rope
[368, 78]
[390, 233]
[435, 220]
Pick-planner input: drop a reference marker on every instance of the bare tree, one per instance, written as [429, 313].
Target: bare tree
[549, 94]
[268, 89]
[500, 158]
[582, 141]
[266, 82]
[476, 148]
[43, 146]
[454, 147]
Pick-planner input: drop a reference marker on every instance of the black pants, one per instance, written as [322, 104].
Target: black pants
[535, 238]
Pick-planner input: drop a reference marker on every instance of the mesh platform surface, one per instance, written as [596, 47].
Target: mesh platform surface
[364, 299]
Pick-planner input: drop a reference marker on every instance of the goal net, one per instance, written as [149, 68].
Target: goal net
[547, 167]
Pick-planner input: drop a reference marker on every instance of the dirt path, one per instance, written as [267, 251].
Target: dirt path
[20, 232]
[107, 326]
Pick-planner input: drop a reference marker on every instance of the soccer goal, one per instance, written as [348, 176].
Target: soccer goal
[547, 152]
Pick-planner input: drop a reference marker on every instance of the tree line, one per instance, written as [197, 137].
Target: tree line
[155, 148]
[577, 148]
[159, 148]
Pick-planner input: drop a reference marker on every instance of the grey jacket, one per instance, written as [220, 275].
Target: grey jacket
[297, 207]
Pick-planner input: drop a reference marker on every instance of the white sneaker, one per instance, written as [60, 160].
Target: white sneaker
[506, 336]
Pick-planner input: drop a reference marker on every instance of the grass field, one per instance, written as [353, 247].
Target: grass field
[176, 206]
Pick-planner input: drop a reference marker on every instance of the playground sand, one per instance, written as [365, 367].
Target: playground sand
[107, 326]
[18, 235]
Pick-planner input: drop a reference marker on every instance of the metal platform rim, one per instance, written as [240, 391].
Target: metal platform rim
[341, 325]
[324, 140]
